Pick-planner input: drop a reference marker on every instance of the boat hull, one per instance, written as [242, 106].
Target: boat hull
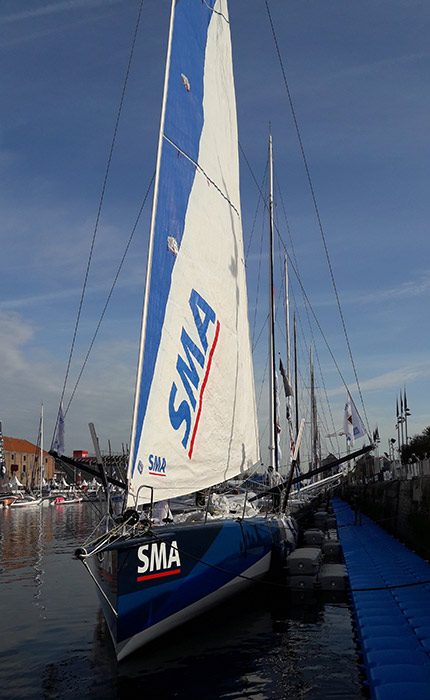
[25, 503]
[152, 584]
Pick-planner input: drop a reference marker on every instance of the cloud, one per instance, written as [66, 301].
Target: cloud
[55, 8]
[31, 375]
[406, 290]
[393, 379]
[14, 333]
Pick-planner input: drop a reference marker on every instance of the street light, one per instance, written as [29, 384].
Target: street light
[391, 442]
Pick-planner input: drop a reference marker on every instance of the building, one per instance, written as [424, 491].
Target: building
[22, 460]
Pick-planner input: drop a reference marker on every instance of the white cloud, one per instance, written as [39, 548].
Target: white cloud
[55, 8]
[408, 289]
[31, 375]
[393, 379]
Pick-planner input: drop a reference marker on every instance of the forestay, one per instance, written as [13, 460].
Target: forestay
[195, 419]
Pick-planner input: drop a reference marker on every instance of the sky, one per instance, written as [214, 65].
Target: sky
[358, 78]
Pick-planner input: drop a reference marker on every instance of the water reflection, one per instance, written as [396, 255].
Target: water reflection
[38, 568]
[55, 643]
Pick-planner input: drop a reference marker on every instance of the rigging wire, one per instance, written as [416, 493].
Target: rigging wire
[305, 296]
[305, 162]
[263, 326]
[291, 246]
[110, 293]
[99, 212]
[264, 582]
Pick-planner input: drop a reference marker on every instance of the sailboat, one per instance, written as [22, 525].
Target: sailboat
[194, 422]
[29, 500]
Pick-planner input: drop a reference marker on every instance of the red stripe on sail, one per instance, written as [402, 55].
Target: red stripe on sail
[196, 425]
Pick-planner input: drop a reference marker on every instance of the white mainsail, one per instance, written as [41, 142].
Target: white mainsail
[195, 414]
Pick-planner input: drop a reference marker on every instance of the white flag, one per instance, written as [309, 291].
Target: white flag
[278, 425]
[58, 443]
[352, 423]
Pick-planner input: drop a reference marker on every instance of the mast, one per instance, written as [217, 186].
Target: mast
[296, 372]
[273, 446]
[2, 459]
[314, 428]
[41, 450]
[151, 242]
[287, 319]
[287, 326]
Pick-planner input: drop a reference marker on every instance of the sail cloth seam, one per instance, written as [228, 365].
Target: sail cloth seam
[199, 167]
[212, 9]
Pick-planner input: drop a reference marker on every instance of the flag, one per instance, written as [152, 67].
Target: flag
[278, 425]
[352, 423]
[287, 386]
[376, 435]
[58, 442]
[407, 413]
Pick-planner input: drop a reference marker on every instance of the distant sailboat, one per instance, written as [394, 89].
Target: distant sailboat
[28, 500]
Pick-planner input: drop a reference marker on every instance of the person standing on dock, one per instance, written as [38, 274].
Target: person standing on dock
[356, 505]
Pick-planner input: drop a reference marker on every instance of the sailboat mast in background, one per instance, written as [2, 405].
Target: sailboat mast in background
[273, 445]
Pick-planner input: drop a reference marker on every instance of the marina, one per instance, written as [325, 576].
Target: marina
[230, 527]
[391, 606]
[313, 641]
[56, 644]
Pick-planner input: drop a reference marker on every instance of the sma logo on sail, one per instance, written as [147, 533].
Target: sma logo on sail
[193, 366]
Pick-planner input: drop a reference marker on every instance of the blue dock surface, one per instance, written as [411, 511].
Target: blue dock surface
[392, 617]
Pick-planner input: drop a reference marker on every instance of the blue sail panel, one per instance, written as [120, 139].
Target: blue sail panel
[196, 418]
[183, 127]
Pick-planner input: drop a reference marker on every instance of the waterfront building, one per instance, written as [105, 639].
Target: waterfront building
[22, 460]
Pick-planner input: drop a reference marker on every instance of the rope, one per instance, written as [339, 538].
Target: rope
[98, 214]
[110, 294]
[199, 167]
[229, 572]
[294, 267]
[216, 11]
[106, 541]
[311, 187]
[100, 588]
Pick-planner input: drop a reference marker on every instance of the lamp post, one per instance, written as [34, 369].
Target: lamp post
[391, 442]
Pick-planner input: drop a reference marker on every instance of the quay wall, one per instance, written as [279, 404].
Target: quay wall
[401, 505]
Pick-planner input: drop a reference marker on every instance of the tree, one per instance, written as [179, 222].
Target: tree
[418, 444]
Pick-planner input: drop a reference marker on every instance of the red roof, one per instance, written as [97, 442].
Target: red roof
[23, 446]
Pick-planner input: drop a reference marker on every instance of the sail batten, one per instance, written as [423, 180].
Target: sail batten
[195, 416]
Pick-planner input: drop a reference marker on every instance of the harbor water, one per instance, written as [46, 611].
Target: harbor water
[54, 644]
